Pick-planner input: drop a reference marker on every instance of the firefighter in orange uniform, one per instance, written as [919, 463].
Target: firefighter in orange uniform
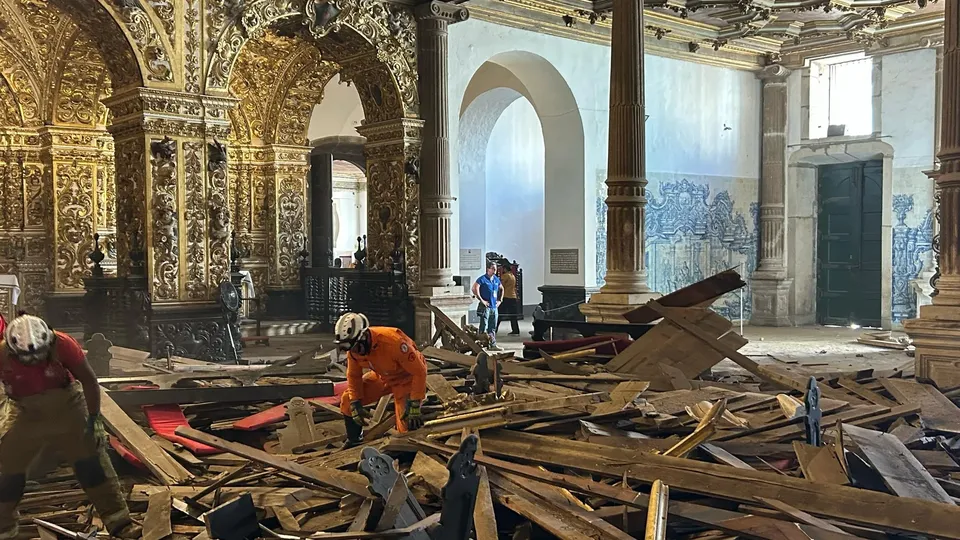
[396, 367]
[49, 389]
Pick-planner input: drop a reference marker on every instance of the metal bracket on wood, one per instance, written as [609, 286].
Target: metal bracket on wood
[459, 495]
[812, 414]
[384, 478]
[485, 378]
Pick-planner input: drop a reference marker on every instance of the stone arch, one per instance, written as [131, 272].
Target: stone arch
[803, 204]
[127, 39]
[499, 82]
[374, 47]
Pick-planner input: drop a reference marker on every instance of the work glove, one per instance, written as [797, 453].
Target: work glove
[95, 428]
[360, 414]
[413, 416]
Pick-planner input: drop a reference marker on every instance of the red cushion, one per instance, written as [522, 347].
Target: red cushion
[165, 419]
[278, 413]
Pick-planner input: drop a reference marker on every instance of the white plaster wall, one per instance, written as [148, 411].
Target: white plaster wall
[339, 113]
[905, 106]
[350, 219]
[515, 193]
[585, 69]
[690, 105]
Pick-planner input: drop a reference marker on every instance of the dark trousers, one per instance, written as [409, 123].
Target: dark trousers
[510, 308]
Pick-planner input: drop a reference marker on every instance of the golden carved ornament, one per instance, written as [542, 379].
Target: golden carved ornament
[291, 224]
[220, 216]
[74, 203]
[193, 45]
[388, 35]
[103, 27]
[156, 58]
[131, 200]
[194, 213]
[165, 248]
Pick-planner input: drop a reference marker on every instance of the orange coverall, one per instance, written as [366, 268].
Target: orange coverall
[396, 367]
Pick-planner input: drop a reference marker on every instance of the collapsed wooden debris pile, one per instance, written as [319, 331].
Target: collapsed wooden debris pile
[602, 437]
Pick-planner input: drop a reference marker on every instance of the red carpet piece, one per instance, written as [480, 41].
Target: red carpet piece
[278, 413]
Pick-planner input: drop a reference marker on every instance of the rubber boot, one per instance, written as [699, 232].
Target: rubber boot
[354, 433]
[9, 519]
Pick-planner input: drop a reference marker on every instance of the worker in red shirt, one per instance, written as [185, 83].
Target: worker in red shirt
[49, 389]
[396, 367]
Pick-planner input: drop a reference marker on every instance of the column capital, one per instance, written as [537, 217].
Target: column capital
[773, 73]
[166, 112]
[442, 11]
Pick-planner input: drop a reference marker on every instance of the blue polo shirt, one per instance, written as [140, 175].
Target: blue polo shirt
[489, 287]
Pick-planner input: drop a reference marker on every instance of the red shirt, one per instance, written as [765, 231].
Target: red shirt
[20, 380]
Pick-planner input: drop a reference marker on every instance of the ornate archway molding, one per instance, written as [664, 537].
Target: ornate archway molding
[375, 48]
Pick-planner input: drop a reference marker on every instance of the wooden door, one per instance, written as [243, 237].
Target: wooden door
[849, 244]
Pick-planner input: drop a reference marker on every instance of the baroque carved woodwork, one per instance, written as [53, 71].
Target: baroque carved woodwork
[165, 220]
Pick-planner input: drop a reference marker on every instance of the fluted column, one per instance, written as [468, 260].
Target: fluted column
[770, 285]
[936, 333]
[436, 202]
[626, 278]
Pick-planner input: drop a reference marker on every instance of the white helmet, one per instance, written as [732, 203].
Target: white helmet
[29, 338]
[350, 328]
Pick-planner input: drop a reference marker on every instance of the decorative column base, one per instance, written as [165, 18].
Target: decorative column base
[450, 300]
[197, 331]
[771, 301]
[605, 307]
[936, 335]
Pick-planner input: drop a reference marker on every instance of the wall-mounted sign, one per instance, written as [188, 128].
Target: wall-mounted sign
[565, 261]
[471, 259]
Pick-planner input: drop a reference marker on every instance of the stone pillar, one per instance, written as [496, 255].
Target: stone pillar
[436, 201]
[936, 333]
[771, 287]
[71, 158]
[626, 279]
[173, 211]
[321, 205]
[286, 187]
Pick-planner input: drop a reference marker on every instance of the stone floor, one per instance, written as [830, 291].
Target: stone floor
[813, 347]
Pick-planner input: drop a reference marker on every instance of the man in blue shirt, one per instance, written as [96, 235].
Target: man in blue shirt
[489, 290]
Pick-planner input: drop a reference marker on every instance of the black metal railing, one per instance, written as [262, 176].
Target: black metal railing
[381, 295]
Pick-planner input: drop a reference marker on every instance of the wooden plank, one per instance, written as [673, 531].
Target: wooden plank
[937, 412]
[156, 459]
[454, 328]
[263, 497]
[156, 524]
[768, 373]
[557, 403]
[484, 518]
[724, 457]
[840, 502]
[327, 477]
[901, 471]
[564, 523]
[286, 519]
[819, 464]
[865, 392]
[438, 385]
[714, 518]
[799, 515]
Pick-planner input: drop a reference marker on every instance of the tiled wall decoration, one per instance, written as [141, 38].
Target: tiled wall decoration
[911, 248]
[692, 235]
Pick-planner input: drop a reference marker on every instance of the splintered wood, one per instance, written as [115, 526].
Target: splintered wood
[573, 444]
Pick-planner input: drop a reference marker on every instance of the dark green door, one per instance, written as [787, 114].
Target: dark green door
[849, 244]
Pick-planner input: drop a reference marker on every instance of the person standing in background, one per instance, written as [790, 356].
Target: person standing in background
[488, 290]
[511, 306]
